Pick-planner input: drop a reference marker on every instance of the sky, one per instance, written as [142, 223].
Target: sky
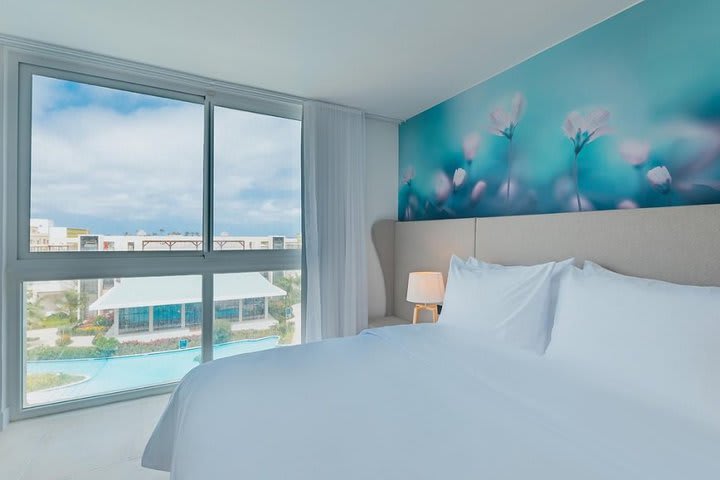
[118, 162]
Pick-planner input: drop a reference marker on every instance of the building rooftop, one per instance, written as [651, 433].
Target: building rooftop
[149, 291]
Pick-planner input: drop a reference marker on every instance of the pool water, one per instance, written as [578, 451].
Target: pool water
[106, 375]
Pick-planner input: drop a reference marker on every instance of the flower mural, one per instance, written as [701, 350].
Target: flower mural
[443, 187]
[635, 152]
[408, 175]
[660, 179]
[459, 178]
[583, 130]
[471, 143]
[478, 191]
[504, 125]
[552, 135]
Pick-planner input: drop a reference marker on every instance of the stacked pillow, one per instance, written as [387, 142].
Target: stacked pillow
[645, 337]
[513, 304]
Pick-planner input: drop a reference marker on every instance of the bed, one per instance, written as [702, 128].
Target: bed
[432, 401]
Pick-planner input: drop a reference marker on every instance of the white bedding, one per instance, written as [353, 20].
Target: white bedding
[417, 402]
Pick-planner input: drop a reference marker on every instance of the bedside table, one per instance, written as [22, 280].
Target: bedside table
[386, 322]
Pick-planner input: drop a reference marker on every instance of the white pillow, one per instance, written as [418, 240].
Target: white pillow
[560, 268]
[510, 304]
[650, 339]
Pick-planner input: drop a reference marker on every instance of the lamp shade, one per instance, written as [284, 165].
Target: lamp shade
[425, 287]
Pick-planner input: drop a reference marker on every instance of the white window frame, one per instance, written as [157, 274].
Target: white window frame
[22, 265]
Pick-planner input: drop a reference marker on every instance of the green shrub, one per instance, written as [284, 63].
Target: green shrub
[159, 345]
[105, 346]
[101, 321]
[61, 353]
[64, 340]
[223, 331]
[58, 319]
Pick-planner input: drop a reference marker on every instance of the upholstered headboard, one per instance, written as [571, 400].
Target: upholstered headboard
[676, 244]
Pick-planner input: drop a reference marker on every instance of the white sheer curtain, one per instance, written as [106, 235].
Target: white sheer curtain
[334, 221]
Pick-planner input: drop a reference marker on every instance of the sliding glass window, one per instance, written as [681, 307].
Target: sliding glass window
[158, 226]
[113, 170]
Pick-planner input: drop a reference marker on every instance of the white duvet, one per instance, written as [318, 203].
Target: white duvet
[417, 402]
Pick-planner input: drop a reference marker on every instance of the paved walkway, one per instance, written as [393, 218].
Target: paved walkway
[43, 336]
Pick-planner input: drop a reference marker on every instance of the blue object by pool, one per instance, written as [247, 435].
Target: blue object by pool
[105, 375]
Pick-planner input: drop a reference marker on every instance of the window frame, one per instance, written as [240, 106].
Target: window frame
[22, 265]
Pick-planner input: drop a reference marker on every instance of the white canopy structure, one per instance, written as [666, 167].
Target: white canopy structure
[167, 302]
[151, 291]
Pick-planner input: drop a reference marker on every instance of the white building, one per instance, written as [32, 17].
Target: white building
[147, 304]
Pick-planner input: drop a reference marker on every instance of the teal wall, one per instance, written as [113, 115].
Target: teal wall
[644, 87]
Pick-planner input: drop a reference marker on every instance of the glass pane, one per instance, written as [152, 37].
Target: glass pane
[96, 336]
[257, 181]
[255, 311]
[113, 170]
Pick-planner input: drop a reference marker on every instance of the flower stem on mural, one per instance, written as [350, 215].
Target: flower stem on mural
[577, 183]
[581, 131]
[509, 170]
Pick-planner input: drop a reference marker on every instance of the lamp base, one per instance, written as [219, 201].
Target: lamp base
[420, 307]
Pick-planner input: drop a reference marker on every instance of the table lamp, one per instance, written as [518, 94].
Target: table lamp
[426, 290]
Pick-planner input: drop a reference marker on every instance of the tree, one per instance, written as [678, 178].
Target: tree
[35, 312]
[106, 347]
[279, 307]
[223, 332]
[73, 303]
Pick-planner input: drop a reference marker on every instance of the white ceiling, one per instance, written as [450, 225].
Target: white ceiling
[394, 58]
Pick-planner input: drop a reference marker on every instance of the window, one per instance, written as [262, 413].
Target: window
[256, 311]
[133, 319]
[193, 314]
[120, 165]
[158, 227]
[81, 345]
[257, 181]
[254, 308]
[168, 316]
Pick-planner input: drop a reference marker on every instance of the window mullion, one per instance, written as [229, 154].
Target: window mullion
[208, 177]
[208, 307]
[208, 313]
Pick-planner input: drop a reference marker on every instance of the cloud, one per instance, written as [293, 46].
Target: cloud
[123, 160]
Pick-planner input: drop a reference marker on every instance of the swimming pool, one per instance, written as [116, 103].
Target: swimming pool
[106, 375]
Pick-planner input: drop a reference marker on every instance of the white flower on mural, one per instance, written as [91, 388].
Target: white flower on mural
[582, 130]
[459, 177]
[471, 144]
[635, 152]
[627, 204]
[504, 124]
[443, 187]
[478, 191]
[660, 179]
[408, 175]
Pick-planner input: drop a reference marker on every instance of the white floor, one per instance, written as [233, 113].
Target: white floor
[103, 443]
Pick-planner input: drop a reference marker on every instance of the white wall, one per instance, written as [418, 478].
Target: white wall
[380, 199]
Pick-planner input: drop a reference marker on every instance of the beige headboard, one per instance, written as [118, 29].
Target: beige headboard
[677, 244]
